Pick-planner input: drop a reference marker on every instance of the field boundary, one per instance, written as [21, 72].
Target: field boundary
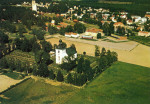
[12, 86]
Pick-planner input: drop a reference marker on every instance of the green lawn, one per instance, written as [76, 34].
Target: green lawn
[38, 92]
[122, 83]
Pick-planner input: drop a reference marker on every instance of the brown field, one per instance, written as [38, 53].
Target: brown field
[140, 55]
[6, 82]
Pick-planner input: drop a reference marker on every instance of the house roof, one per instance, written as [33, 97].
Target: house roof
[147, 15]
[118, 24]
[143, 32]
[71, 33]
[63, 24]
[94, 30]
[75, 20]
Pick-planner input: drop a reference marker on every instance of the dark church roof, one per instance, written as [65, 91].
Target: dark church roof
[70, 51]
[61, 45]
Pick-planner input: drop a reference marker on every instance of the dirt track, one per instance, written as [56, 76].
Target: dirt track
[140, 55]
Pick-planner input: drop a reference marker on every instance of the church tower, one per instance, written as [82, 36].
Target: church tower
[34, 6]
[60, 53]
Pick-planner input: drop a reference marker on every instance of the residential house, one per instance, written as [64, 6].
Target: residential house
[118, 24]
[93, 32]
[71, 34]
[143, 33]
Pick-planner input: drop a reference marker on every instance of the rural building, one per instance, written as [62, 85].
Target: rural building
[93, 32]
[147, 16]
[129, 22]
[71, 34]
[143, 33]
[118, 24]
[87, 37]
[62, 52]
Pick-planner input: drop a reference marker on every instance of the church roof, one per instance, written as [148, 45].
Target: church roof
[70, 51]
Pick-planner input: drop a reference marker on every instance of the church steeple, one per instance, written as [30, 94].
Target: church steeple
[61, 45]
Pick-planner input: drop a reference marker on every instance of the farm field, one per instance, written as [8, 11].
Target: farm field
[138, 55]
[38, 92]
[122, 83]
[6, 82]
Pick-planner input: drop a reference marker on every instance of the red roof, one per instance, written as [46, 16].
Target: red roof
[118, 23]
[144, 32]
[94, 30]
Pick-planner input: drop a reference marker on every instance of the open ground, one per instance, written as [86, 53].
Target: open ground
[6, 82]
[137, 53]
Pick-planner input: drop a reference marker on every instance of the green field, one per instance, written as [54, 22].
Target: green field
[122, 83]
[38, 92]
[14, 75]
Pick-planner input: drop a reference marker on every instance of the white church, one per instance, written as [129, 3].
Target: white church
[34, 6]
[62, 52]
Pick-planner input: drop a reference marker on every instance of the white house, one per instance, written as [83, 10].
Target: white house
[34, 6]
[129, 22]
[136, 18]
[62, 52]
[71, 34]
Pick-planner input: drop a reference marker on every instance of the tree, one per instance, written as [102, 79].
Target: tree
[99, 36]
[1, 54]
[106, 29]
[103, 52]
[69, 78]
[35, 47]
[3, 63]
[62, 31]
[39, 33]
[18, 43]
[21, 30]
[43, 70]
[42, 57]
[109, 57]
[84, 53]
[121, 31]
[79, 28]
[80, 65]
[73, 46]
[46, 46]
[52, 30]
[3, 37]
[69, 29]
[111, 27]
[97, 52]
[25, 45]
[103, 62]
[51, 74]
[99, 24]
[86, 66]
[60, 76]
